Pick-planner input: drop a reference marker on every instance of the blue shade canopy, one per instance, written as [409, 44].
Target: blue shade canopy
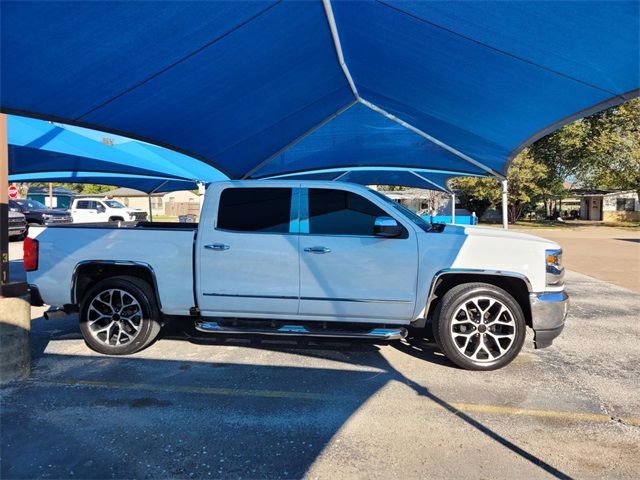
[360, 137]
[139, 182]
[238, 84]
[38, 147]
[426, 179]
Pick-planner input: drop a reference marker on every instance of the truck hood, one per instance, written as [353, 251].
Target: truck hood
[51, 211]
[499, 233]
[506, 234]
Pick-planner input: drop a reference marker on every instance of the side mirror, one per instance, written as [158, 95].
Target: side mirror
[386, 227]
[101, 209]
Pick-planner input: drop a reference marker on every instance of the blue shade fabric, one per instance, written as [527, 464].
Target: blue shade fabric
[143, 183]
[236, 84]
[360, 137]
[36, 146]
[426, 179]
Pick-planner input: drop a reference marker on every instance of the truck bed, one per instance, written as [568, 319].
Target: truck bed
[167, 250]
[143, 224]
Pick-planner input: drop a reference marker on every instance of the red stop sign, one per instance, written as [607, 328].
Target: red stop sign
[13, 191]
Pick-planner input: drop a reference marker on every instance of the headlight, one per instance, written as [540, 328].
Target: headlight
[554, 268]
[46, 217]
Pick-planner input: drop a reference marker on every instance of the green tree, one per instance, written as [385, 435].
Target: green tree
[599, 151]
[89, 188]
[527, 186]
[477, 194]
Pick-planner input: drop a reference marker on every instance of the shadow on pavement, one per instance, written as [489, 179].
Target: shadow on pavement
[122, 417]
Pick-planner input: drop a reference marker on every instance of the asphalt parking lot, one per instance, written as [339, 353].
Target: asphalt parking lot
[242, 408]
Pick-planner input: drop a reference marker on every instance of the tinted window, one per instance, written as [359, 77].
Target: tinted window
[31, 204]
[82, 204]
[255, 210]
[336, 212]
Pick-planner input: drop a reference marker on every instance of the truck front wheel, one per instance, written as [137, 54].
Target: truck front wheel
[479, 326]
[119, 316]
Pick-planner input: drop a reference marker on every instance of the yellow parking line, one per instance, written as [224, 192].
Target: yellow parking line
[190, 389]
[462, 407]
[529, 412]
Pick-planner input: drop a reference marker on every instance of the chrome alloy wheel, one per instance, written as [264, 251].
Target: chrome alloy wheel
[114, 317]
[483, 329]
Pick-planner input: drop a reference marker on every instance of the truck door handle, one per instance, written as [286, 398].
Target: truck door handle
[317, 249]
[217, 246]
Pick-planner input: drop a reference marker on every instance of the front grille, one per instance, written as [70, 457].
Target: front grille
[16, 222]
[140, 215]
[59, 220]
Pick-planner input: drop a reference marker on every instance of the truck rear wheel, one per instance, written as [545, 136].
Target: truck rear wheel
[479, 326]
[119, 316]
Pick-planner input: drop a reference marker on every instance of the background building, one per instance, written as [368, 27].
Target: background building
[608, 205]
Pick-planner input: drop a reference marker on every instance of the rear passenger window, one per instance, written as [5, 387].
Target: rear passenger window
[337, 212]
[255, 210]
[82, 205]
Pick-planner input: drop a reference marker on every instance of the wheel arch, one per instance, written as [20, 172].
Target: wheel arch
[514, 283]
[88, 272]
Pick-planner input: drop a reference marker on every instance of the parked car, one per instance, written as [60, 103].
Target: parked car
[17, 225]
[304, 258]
[38, 214]
[90, 210]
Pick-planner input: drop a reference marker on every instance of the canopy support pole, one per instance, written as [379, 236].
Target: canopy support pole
[345, 69]
[202, 190]
[4, 201]
[428, 137]
[505, 205]
[150, 210]
[151, 193]
[453, 207]
[328, 9]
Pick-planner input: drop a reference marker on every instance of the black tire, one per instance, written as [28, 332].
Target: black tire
[452, 326]
[147, 321]
[116, 219]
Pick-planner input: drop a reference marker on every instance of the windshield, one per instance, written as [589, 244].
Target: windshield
[113, 204]
[30, 204]
[418, 220]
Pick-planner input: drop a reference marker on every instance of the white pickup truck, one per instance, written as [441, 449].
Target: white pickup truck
[329, 259]
[91, 210]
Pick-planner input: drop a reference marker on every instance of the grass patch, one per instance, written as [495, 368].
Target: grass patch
[543, 224]
[164, 218]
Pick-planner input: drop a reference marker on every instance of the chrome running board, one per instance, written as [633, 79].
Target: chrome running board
[301, 330]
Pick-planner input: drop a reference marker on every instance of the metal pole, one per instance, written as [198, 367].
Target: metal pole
[150, 211]
[202, 190]
[50, 195]
[505, 205]
[4, 201]
[453, 207]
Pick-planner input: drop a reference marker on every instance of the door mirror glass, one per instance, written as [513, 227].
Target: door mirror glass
[386, 227]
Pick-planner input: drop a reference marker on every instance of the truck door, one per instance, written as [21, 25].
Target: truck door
[347, 271]
[247, 257]
[84, 211]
